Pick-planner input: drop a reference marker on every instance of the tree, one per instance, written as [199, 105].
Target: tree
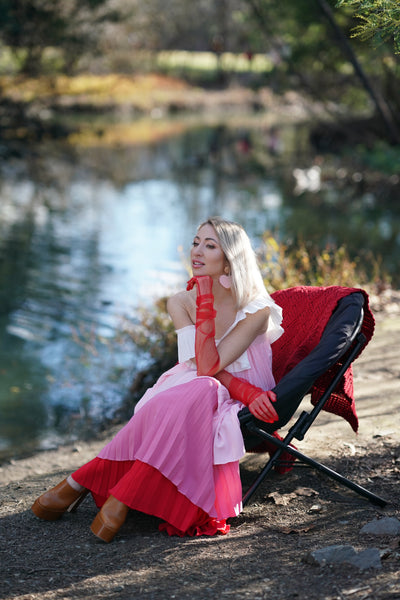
[319, 47]
[29, 27]
[380, 20]
[181, 25]
[382, 107]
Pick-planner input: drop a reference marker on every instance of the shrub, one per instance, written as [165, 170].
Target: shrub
[294, 264]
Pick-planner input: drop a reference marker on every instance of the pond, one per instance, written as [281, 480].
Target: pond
[87, 236]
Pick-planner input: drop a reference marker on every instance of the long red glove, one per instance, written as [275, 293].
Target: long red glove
[207, 357]
[257, 400]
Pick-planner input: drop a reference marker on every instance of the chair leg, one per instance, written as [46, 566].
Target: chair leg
[284, 446]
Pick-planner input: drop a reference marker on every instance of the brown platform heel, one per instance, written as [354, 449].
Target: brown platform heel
[109, 519]
[51, 505]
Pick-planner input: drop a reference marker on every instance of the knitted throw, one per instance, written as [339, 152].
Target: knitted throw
[306, 311]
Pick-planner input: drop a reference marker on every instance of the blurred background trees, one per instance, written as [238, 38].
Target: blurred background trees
[43, 34]
[313, 46]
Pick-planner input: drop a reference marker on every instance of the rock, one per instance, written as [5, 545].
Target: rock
[384, 526]
[366, 559]
[330, 555]
[315, 508]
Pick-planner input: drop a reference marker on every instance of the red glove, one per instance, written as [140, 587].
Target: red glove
[207, 357]
[258, 401]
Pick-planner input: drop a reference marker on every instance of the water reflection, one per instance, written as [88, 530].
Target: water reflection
[22, 416]
[85, 239]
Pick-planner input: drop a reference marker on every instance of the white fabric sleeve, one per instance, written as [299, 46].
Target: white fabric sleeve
[186, 343]
[275, 328]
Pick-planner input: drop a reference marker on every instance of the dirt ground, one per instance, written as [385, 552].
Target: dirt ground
[264, 554]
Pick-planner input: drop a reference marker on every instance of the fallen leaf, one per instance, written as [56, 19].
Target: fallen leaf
[303, 491]
[289, 530]
[282, 499]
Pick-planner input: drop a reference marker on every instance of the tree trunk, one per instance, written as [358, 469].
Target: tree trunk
[382, 107]
[261, 17]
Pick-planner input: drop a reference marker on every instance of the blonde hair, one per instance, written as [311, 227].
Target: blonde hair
[247, 282]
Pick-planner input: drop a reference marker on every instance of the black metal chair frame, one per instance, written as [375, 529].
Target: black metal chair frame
[254, 427]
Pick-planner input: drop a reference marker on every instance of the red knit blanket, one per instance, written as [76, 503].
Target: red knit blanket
[306, 311]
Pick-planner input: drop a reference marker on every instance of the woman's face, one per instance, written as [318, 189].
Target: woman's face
[206, 256]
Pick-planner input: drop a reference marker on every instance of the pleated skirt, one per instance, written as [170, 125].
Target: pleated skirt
[163, 462]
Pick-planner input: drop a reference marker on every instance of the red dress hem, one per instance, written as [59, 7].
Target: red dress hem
[142, 487]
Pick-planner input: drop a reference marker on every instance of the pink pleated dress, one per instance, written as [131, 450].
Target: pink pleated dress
[178, 456]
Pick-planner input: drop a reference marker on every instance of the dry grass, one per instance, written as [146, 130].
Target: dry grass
[98, 90]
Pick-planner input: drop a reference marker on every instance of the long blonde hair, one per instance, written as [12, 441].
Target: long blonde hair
[247, 282]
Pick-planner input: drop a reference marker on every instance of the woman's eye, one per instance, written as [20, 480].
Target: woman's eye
[209, 246]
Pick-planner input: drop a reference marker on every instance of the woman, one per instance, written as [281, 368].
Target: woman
[178, 457]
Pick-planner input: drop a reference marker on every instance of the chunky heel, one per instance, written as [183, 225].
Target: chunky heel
[110, 519]
[102, 530]
[51, 505]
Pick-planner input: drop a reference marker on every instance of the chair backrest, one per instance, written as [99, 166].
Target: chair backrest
[336, 339]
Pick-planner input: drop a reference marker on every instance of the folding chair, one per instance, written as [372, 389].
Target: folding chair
[323, 369]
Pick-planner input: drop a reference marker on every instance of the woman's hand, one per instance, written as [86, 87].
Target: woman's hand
[258, 401]
[204, 284]
[261, 407]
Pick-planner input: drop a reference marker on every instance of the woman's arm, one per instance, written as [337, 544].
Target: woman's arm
[258, 401]
[182, 309]
[211, 360]
[241, 336]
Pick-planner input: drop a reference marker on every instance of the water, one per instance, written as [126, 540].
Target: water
[85, 239]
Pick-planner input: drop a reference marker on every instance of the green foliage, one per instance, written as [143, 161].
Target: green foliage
[203, 68]
[381, 157]
[380, 20]
[291, 43]
[71, 26]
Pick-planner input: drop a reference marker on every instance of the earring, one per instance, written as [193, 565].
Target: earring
[226, 281]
